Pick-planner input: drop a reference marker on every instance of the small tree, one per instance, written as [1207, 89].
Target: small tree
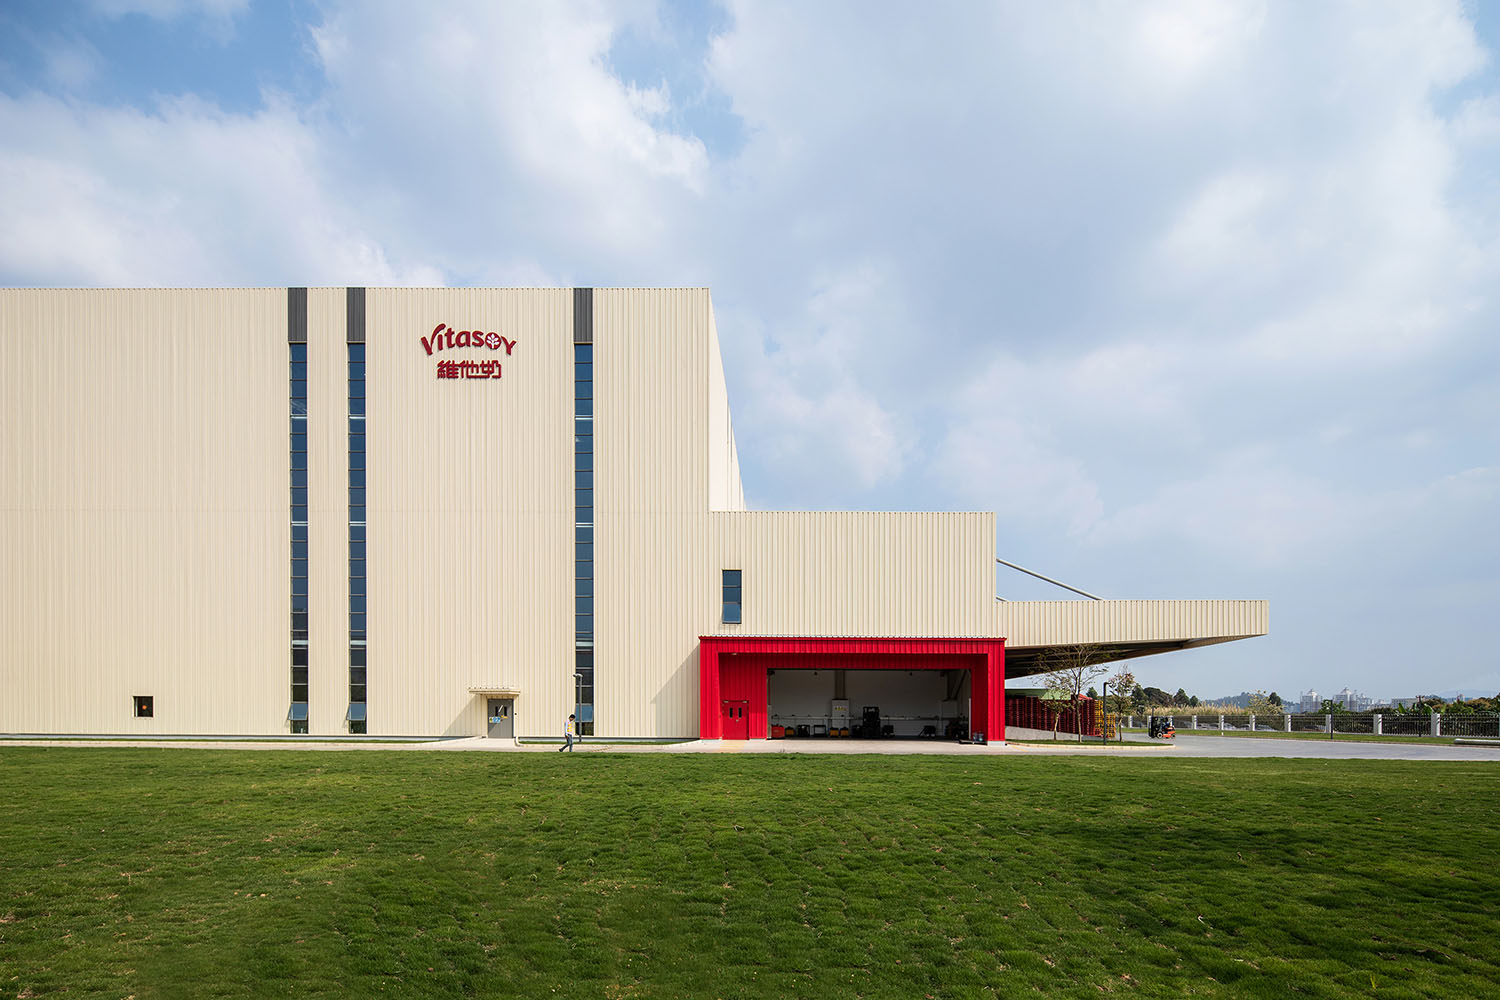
[1261, 705]
[1275, 699]
[1055, 703]
[1071, 669]
[1122, 683]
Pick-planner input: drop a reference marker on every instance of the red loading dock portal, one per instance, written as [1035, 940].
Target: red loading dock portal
[732, 673]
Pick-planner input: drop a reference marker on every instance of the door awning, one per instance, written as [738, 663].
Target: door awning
[498, 690]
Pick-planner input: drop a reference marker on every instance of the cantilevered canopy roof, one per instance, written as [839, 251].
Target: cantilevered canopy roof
[1123, 629]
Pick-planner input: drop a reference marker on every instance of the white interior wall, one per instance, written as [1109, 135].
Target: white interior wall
[799, 697]
[908, 700]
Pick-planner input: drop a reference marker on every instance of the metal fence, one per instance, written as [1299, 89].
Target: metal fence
[1445, 725]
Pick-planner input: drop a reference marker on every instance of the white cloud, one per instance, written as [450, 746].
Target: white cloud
[186, 195]
[513, 104]
[818, 423]
[1177, 42]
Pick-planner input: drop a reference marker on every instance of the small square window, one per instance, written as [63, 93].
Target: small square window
[145, 706]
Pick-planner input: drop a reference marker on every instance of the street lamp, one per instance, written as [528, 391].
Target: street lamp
[1104, 729]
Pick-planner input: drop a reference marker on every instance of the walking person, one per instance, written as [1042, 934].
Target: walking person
[570, 733]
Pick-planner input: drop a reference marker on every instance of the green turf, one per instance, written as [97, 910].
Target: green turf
[187, 873]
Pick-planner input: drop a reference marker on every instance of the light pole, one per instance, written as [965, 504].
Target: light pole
[1104, 729]
[578, 699]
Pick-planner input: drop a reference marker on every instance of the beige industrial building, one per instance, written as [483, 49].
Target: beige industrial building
[433, 512]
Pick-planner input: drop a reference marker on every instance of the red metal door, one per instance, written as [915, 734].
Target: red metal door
[736, 720]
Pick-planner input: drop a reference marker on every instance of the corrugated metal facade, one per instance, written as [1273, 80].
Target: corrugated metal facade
[144, 490]
[471, 511]
[1046, 623]
[146, 519]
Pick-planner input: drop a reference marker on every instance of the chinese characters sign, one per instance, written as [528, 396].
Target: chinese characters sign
[468, 369]
[444, 337]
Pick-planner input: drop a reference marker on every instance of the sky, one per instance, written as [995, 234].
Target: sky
[1200, 298]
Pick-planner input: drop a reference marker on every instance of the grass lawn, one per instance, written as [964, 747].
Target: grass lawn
[209, 873]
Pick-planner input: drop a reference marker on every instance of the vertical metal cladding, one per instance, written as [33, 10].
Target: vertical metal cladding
[358, 577]
[296, 299]
[583, 507]
[471, 521]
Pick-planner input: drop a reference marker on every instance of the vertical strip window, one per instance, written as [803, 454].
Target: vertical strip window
[297, 355]
[732, 591]
[358, 578]
[583, 534]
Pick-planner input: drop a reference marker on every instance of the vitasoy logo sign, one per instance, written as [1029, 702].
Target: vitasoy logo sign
[445, 337]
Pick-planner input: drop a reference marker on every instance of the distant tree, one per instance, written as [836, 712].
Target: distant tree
[1180, 698]
[1137, 696]
[1262, 705]
[1275, 699]
[1156, 697]
[1093, 693]
[1070, 669]
[1331, 707]
[1193, 701]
